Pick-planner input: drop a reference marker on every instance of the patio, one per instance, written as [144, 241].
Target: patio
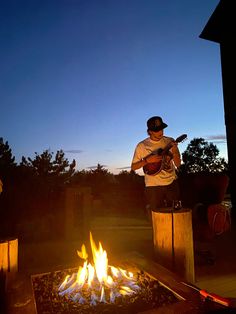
[120, 237]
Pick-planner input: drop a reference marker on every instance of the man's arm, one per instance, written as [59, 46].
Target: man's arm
[149, 159]
[139, 164]
[176, 155]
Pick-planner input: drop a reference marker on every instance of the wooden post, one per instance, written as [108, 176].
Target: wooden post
[173, 241]
[8, 267]
[78, 203]
[9, 255]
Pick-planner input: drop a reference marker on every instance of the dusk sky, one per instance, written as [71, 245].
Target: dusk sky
[85, 75]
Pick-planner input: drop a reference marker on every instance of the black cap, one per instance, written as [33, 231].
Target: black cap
[156, 124]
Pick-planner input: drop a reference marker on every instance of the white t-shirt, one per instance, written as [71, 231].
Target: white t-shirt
[145, 148]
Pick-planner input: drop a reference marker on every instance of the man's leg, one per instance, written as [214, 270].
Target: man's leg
[154, 200]
[172, 193]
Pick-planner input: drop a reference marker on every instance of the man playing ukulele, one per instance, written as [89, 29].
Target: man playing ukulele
[159, 157]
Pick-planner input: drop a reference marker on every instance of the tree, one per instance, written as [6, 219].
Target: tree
[101, 180]
[7, 161]
[130, 179]
[55, 171]
[201, 156]
[130, 187]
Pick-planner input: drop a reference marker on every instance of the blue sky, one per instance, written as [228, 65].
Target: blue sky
[85, 75]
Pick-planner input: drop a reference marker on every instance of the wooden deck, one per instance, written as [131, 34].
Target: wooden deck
[220, 277]
[120, 237]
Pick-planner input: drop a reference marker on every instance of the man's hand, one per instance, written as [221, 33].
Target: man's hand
[153, 158]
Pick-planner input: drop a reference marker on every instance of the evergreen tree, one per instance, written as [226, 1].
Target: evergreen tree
[55, 171]
[7, 161]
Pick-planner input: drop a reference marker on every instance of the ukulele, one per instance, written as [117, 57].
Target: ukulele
[154, 168]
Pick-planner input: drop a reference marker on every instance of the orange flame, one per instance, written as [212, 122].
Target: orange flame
[98, 278]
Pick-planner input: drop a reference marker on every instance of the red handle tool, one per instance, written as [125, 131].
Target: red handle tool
[211, 296]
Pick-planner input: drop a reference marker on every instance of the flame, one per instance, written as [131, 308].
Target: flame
[105, 282]
[83, 254]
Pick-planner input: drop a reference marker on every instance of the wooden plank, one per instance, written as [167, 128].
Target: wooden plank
[222, 285]
[9, 255]
[162, 238]
[183, 244]
[13, 255]
[173, 241]
[4, 256]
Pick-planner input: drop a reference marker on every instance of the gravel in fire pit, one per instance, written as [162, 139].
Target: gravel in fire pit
[48, 301]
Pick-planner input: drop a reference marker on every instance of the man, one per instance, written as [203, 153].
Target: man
[161, 185]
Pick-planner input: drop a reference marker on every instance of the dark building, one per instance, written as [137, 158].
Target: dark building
[221, 28]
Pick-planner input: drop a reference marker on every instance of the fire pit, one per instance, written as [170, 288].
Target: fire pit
[137, 285]
[97, 287]
[150, 295]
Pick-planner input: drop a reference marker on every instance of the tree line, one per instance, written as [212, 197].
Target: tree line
[36, 186]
